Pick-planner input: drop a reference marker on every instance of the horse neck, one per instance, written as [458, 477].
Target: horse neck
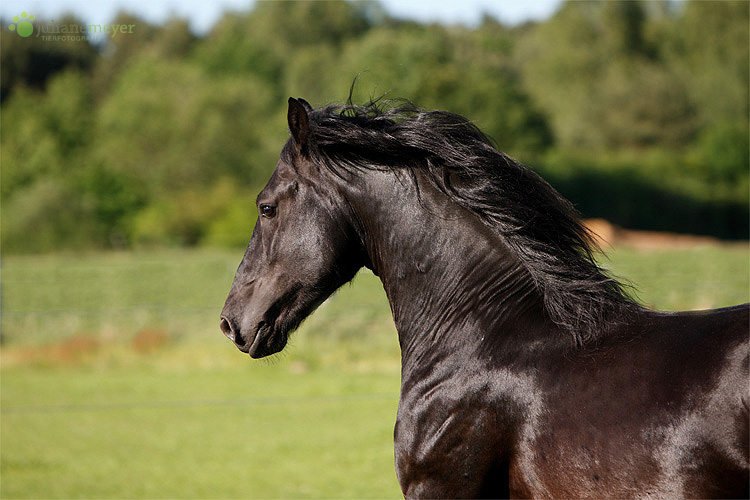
[452, 282]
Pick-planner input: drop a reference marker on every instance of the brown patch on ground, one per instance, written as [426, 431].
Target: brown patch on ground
[150, 340]
[82, 348]
[610, 235]
[77, 348]
[71, 351]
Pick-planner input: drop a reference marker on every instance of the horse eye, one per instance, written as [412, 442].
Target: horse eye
[267, 211]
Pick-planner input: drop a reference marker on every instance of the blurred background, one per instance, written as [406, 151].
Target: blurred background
[129, 165]
[636, 111]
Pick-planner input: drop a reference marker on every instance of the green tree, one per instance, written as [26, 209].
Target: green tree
[709, 50]
[263, 41]
[45, 144]
[162, 136]
[48, 215]
[625, 22]
[441, 69]
[46, 134]
[593, 70]
[183, 126]
[32, 62]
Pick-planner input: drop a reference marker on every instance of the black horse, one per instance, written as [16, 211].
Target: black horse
[527, 371]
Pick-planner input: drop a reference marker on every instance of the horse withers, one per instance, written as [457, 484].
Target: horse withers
[527, 370]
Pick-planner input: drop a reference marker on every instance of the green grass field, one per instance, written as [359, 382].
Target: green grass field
[116, 382]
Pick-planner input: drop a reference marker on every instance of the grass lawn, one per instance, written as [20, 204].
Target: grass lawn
[248, 431]
[702, 277]
[116, 382]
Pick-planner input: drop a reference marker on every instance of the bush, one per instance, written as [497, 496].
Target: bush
[658, 190]
[48, 216]
[724, 151]
[220, 215]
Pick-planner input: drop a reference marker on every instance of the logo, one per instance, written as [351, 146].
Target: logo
[21, 25]
[56, 32]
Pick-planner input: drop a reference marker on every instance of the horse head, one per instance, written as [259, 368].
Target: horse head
[304, 246]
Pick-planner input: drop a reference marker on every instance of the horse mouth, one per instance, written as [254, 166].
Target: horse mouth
[267, 341]
[271, 331]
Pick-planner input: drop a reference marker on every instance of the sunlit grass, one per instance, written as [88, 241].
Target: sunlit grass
[682, 279]
[248, 431]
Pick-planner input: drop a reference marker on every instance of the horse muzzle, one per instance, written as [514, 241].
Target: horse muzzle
[260, 341]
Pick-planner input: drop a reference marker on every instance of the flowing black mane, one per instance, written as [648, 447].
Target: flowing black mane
[537, 223]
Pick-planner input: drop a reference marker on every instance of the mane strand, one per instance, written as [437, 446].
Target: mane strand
[541, 227]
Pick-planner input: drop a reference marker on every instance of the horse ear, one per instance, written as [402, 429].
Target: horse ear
[305, 104]
[298, 118]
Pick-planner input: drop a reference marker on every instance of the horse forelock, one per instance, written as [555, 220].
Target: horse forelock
[540, 226]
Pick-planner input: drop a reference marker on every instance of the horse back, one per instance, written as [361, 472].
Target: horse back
[700, 384]
[723, 323]
[709, 356]
[711, 347]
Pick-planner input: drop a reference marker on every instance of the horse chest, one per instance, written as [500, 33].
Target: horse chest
[454, 435]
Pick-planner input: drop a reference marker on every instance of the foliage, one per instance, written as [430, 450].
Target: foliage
[653, 190]
[192, 216]
[133, 136]
[31, 62]
[605, 88]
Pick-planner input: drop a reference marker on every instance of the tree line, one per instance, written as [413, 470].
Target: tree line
[637, 111]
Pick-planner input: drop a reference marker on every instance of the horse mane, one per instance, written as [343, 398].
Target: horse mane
[540, 226]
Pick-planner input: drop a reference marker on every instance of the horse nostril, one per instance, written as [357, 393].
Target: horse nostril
[226, 327]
